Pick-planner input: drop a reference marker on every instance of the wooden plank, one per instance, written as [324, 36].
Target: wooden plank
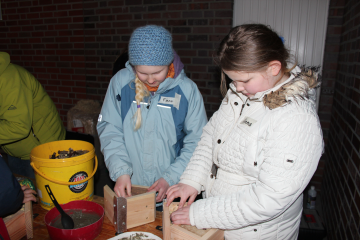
[140, 209]
[166, 221]
[29, 219]
[216, 235]
[15, 225]
[178, 232]
[137, 189]
[108, 203]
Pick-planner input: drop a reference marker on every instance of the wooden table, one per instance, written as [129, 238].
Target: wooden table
[108, 231]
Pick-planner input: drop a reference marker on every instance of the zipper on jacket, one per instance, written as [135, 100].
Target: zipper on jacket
[243, 106]
[34, 134]
[227, 135]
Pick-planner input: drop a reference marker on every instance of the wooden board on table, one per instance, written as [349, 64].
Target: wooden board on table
[20, 224]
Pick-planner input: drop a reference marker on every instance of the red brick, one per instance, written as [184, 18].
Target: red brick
[179, 38]
[62, 94]
[12, 4]
[25, 3]
[12, 35]
[50, 64]
[79, 89]
[26, 58]
[13, 17]
[25, 46]
[78, 64]
[222, 5]
[42, 76]
[103, 25]
[65, 20]
[76, 13]
[65, 100]
[34, 40]
[12, 11]
[33, 15]
[51, 88]
[62, 39]
[54, 82]
[177, 7]
[29, 52]
[37, 21]
[124, 17]
[77, 6]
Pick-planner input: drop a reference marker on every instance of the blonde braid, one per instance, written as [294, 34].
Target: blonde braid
[141, 92]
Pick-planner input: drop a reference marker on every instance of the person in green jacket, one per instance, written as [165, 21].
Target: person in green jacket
[28, 116]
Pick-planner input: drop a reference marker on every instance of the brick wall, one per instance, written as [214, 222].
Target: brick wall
[70, 45]
[341, 180]
[330, 63]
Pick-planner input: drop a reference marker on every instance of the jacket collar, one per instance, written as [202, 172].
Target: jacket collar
[298, 86]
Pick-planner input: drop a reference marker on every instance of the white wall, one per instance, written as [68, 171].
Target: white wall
[302, 23]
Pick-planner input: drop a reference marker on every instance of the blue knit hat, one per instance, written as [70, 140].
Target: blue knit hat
[151, 45]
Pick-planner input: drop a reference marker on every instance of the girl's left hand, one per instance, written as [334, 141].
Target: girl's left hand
[181, 216]
[160, 186]
[28, 194]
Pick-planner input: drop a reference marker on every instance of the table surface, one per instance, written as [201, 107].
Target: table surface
[108, 231]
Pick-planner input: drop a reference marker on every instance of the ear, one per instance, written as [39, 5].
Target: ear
[274, 68]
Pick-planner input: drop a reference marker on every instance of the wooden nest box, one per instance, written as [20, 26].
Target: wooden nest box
[130, 212]
[185, 232]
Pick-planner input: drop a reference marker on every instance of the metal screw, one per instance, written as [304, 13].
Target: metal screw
[114, 205]
[146, 205]
[123, 206]
[123, 223]
[114, 222]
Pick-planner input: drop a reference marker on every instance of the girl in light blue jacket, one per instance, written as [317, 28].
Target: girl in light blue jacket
[152, 116]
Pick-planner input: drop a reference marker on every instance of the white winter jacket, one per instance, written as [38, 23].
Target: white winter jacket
[266, 149]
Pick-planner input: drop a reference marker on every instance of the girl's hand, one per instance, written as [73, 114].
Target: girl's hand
[183, 191]
[123, 186]
[160, 186]
[28, 194]
[181, 216]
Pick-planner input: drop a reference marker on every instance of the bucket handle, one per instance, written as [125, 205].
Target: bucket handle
[66, 183]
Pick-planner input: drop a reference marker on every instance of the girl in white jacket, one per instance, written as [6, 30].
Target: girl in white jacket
[260, 149]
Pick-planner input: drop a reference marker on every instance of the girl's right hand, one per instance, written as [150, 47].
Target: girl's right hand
[123, 186]
[183, 191]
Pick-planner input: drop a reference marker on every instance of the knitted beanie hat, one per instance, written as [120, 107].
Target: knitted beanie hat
[150, 45]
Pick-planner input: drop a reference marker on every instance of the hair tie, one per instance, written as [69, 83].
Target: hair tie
[138, 106]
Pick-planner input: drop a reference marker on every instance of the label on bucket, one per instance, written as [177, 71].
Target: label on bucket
[76, 178]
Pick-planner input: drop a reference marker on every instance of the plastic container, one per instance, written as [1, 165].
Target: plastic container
[85, 233]
[69, 178]
[311, 198]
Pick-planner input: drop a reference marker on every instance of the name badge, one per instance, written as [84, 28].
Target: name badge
[175, 101]
[248, 121]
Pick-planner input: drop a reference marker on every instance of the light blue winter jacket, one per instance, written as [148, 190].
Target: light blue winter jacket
[172, 122]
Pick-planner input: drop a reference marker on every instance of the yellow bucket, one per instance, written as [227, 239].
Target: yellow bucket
[61, 174]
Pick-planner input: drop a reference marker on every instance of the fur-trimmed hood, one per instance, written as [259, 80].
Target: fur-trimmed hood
[297, 88]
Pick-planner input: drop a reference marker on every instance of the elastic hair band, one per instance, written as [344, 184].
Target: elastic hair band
[138, 106]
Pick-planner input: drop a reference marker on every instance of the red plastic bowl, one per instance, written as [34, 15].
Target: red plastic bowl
[85, 233]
